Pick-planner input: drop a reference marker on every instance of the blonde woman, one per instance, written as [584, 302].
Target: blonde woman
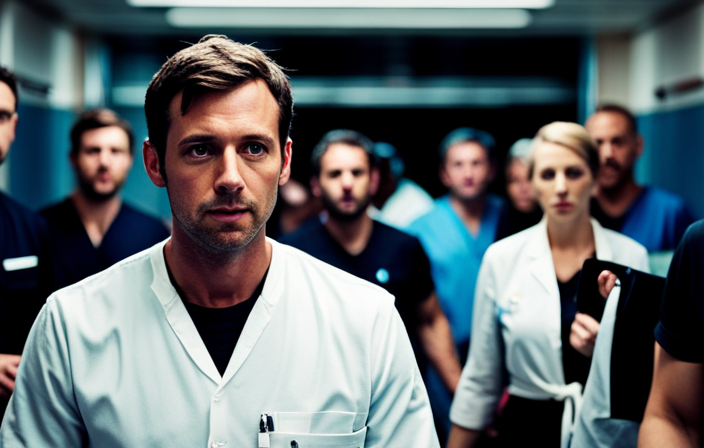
[525, 305]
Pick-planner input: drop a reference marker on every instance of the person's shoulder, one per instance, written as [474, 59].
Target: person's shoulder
[305, 273]
[664, 198]
[310, 231]
[428, 219]
[141, 217]
[18, 211]
[509, 246]
[393, 236]
[694, 233]
[625, 247]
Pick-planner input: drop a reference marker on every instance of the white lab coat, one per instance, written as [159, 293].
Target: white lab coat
[517, 306]
[116, 361]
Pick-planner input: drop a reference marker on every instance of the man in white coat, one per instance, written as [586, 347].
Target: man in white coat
[219, 337]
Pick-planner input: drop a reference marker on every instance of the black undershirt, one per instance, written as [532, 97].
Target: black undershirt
[607, 221]
[574, 364]
[220, 328]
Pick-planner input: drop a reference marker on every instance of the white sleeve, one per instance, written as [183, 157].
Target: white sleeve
[399, 412]
[481, 385]
[42, 411]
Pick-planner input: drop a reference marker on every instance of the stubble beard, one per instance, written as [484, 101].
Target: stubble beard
[86, 187]
[229, 238]
[339, 215]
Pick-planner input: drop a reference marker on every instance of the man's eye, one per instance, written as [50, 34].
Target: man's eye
[199, 151]
[255, 149]
[5, 116]
[547, 175]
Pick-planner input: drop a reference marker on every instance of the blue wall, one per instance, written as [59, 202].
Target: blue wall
[40, 171]
[673, 157]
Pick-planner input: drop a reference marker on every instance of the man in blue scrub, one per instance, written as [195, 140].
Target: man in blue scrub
[455, 235]
[94, 228]
[23, 283]
[654, 217]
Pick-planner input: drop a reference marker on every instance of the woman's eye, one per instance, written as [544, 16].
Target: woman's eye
[547, 175]
[255, 149]
[574, 173]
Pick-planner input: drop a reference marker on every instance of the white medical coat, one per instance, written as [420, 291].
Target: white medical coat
[517, 309]
[116, 361]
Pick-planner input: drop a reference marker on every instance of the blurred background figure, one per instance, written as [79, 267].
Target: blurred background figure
[94, 228]
[654, 217]
[522, 210]
[294, 208]
[398, 201]
[455, 234]
[345, 178]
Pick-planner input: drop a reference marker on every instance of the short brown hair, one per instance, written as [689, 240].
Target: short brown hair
[95, 119]
[625, 113]
[571, 136]
[214, 63]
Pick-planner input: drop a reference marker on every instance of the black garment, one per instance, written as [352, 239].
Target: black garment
[526, 422]
[392, 259]
[606, 221]
[513, 221]
[74, 255]
[681, 329]
[574, 364]
[24, 282]
[220, 328]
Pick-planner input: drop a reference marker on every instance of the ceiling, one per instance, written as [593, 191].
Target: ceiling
[566, 17]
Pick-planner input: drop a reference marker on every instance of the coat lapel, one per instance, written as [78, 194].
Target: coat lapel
[541, 265]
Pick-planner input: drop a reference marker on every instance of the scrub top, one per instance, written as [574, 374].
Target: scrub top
[74, 255]
[24, 279]
[657, 219]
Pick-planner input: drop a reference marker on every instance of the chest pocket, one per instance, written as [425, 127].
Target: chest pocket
[294, 440]
[318, 429]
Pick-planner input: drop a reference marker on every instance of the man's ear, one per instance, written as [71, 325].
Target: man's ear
[151, 164]
[286, 167]
[315, 186]
[374, 177]
[639, 145]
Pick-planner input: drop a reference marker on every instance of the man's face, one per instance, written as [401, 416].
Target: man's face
[619, 148]
[519, 186]
[8, 120]
[467, 170]
[102, 162]
[345, 182]
[223, 166]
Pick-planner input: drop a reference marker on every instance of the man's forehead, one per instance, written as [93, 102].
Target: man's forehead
[607, 120]
[7, 98]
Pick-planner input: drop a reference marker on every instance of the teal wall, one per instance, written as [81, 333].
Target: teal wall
[673, 157]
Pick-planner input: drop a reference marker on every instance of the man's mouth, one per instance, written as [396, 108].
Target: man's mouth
[228, 214]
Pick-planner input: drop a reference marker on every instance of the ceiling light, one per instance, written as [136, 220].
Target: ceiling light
[324, 18]
[425, 4]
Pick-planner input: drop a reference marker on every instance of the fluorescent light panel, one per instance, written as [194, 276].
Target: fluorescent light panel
[424, 4]
[347, 18]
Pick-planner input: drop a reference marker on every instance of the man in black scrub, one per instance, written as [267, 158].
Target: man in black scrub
[23, 284]
[675, 408]
[345, 178]
[93, 228]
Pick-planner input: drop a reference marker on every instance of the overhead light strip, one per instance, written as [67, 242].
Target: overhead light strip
[347, 18]
[376, 4]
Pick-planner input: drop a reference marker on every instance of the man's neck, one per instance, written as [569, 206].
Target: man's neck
[216, 280]
[616, 201]
[96, 216]
[354, 235]
[470, 211]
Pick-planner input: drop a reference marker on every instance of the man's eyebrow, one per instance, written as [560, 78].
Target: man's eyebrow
[196, 138]
[261, 137]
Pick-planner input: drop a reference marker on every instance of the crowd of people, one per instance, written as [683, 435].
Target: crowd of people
[375, 315]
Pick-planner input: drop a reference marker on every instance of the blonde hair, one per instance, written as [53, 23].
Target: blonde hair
[571, 136]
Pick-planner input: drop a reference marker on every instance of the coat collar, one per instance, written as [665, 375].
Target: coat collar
[539, 251]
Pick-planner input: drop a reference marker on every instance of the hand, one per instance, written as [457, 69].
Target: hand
[8, 372]
[606, 280]
[583, 333]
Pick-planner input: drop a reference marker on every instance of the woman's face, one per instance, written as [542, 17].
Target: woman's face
[562, 182]
[519, 186]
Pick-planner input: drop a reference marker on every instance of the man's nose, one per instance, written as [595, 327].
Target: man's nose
[229, 178]
[606, 151]
[104, 157]
[347, 180]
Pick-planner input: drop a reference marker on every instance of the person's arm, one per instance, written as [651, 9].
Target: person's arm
[43, 409]
[462, 437]
[675, 410]
[436, 338]
[8, 372]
